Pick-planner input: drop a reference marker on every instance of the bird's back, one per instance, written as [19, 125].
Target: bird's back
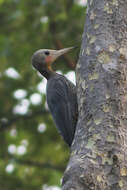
[62, 103]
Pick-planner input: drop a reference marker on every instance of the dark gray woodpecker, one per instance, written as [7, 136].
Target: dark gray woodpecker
[60, 92]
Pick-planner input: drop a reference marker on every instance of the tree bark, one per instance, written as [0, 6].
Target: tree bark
[99, 151]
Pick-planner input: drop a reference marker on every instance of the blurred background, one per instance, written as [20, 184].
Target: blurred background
[32, 154]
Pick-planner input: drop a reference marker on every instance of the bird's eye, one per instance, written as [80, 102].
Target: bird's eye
[47, 53]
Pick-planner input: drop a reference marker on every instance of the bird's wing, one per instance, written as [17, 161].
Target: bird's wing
[61, 109]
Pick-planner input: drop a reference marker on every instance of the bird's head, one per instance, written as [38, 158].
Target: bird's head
[43, 58]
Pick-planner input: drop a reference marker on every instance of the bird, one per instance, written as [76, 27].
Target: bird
[61, 93]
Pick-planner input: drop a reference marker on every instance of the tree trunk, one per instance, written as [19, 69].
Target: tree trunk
[99, 152]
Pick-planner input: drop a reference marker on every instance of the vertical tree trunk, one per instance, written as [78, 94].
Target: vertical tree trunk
[99, 152]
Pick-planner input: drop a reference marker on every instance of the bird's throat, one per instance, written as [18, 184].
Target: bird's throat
[47, 73]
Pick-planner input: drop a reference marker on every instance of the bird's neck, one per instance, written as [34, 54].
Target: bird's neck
[47, 73]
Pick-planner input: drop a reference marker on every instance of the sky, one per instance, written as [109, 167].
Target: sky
[81, 2]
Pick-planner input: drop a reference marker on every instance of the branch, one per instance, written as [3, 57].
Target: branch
[69, 5]
[40, 165]
[70, 62]
[31, 163]
[5, 125]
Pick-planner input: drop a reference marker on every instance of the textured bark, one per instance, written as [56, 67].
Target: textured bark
[99, 152]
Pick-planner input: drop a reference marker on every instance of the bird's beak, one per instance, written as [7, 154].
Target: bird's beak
[58, 53]
[63, 51]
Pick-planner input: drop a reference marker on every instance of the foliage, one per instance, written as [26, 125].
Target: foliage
[31, 156]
